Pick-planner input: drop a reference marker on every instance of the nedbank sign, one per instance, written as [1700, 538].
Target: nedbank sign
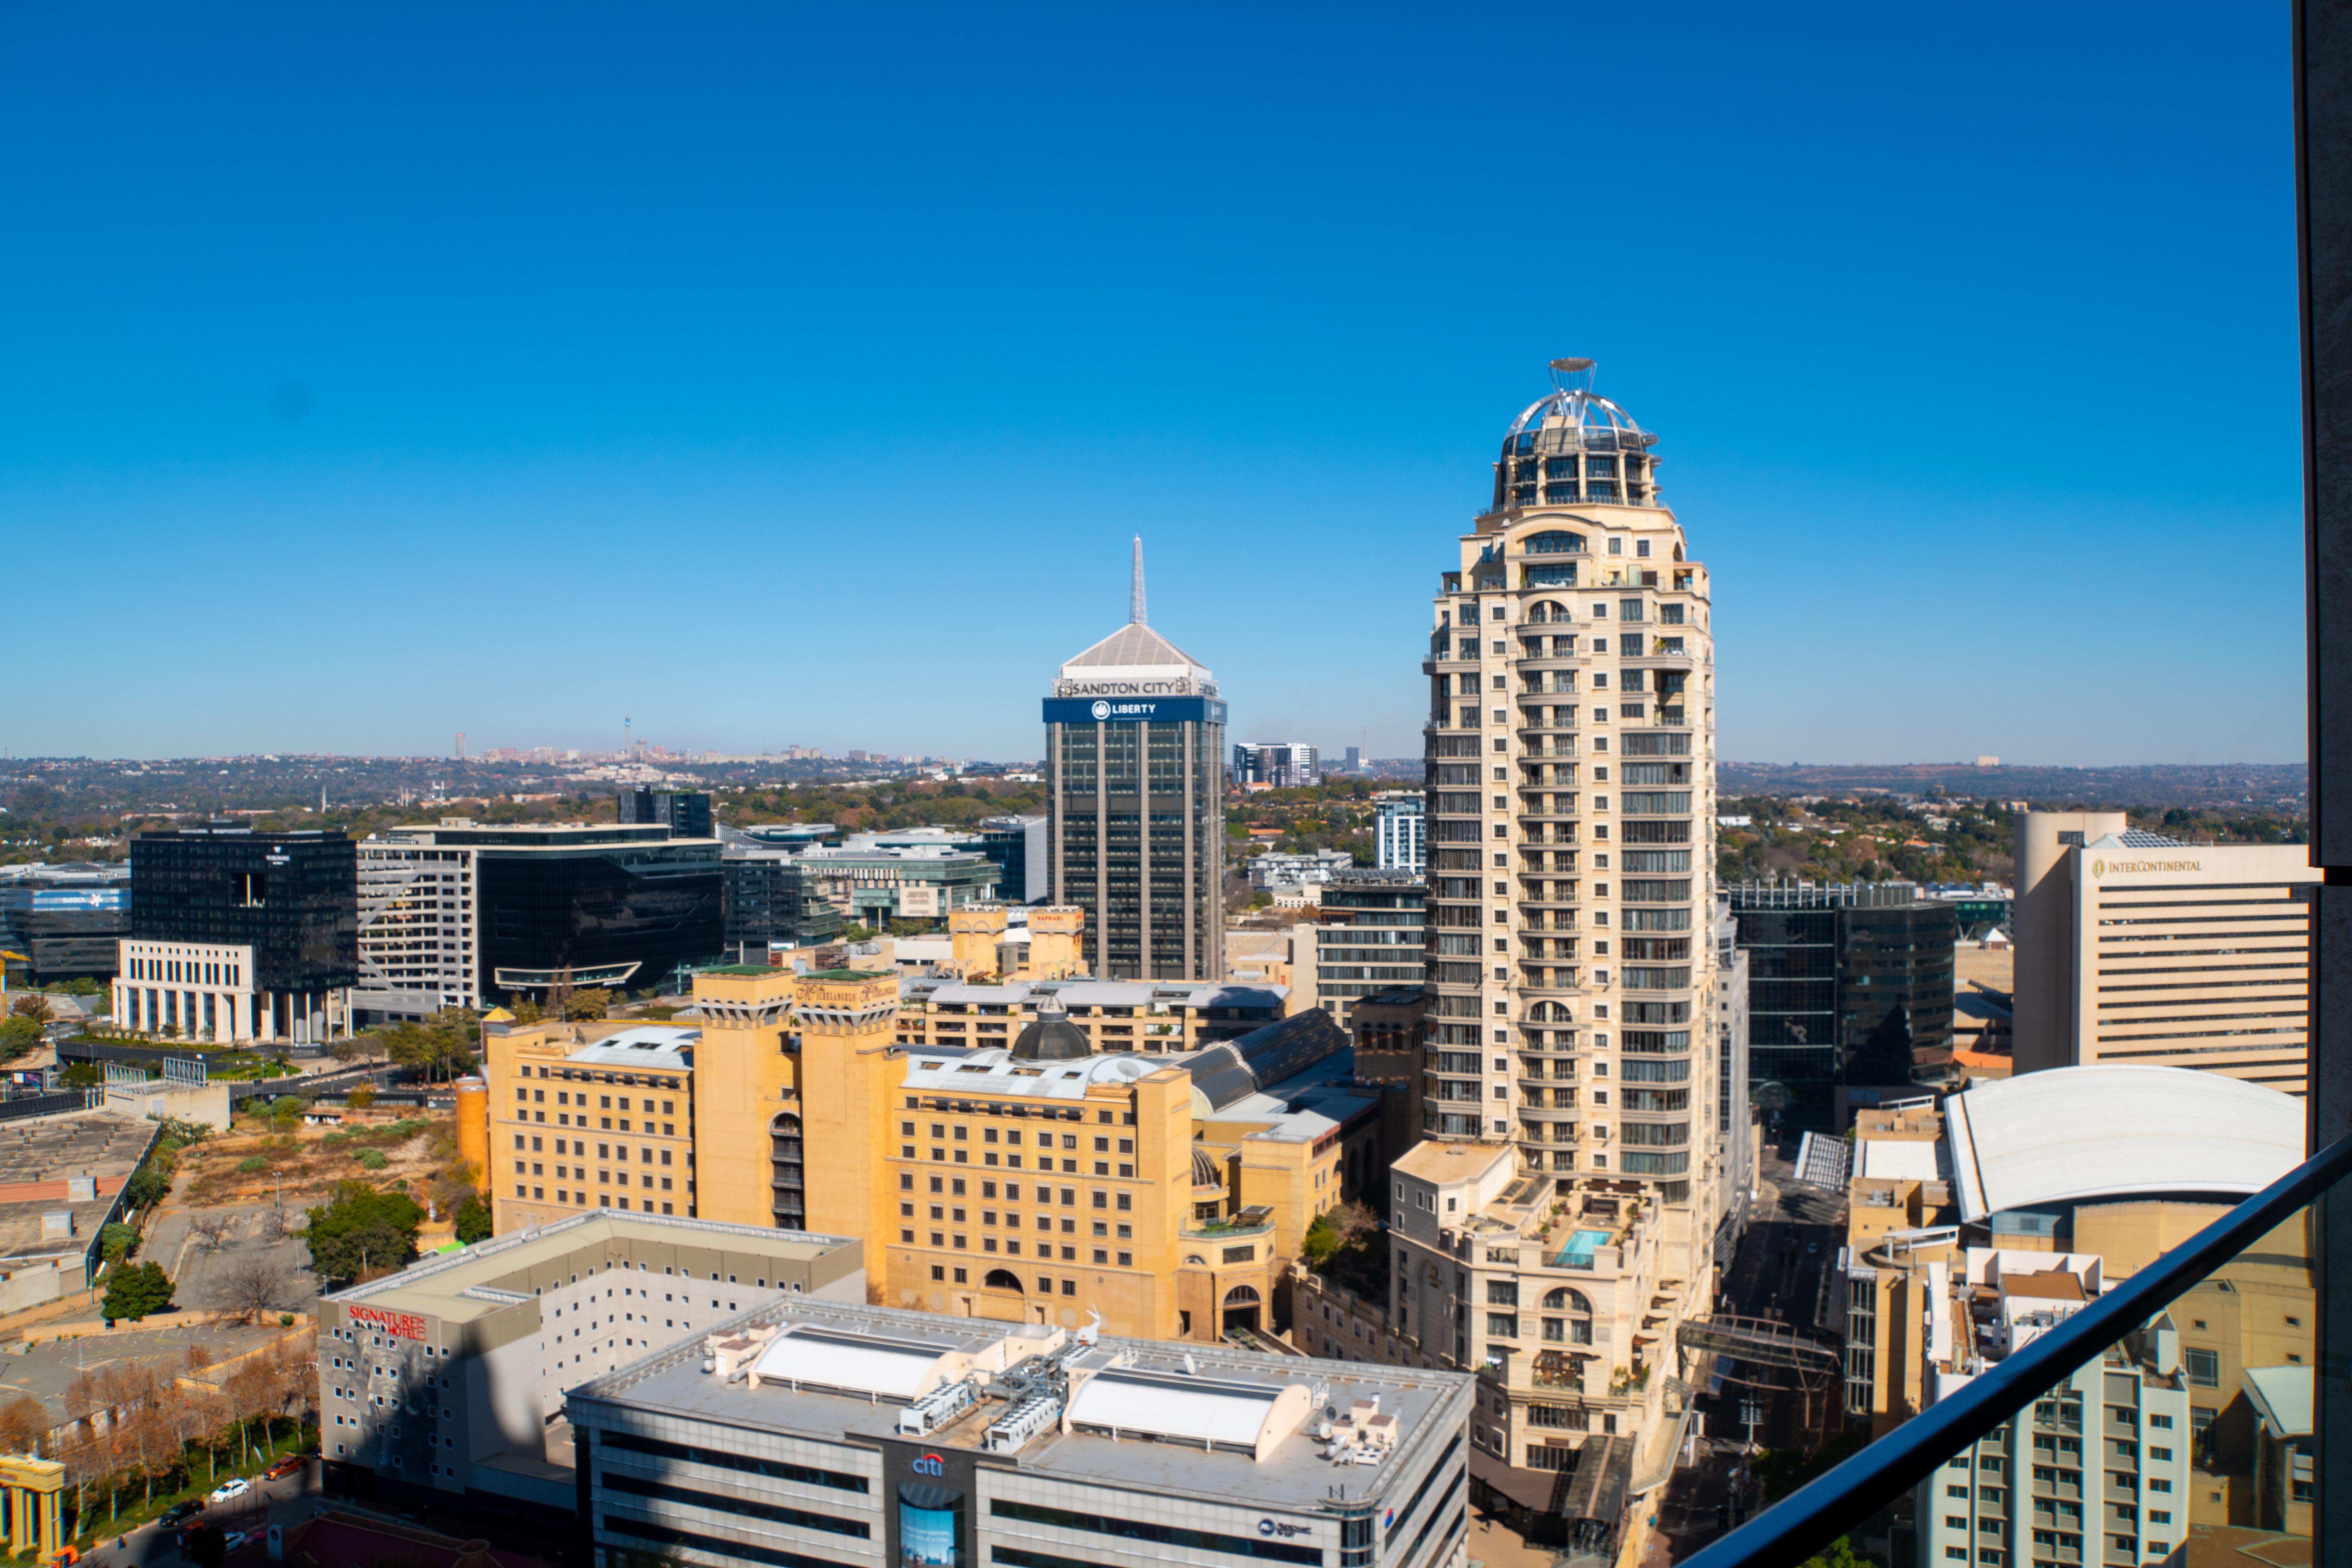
[2127, 868]
[1134, 710]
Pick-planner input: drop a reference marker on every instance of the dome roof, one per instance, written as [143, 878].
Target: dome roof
[1574, 417]
[1206, 1172]
[1052, 1038]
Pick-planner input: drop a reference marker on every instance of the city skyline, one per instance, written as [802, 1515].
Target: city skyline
[390, 422]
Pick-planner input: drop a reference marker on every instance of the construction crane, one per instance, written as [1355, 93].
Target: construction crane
[8, 958]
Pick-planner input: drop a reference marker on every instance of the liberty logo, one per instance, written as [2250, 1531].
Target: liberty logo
[1102, 710]
[930, 1464]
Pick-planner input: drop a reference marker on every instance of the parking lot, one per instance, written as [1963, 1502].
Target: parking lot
[206, 1278]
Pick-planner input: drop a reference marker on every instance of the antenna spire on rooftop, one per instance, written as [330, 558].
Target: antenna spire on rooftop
[1135, 595]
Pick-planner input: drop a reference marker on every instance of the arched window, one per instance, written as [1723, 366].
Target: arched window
[1196, 1260]
[1548, 611]
[1552, 1012]
[1242, 1296]
[1001, 1280]
[1566, 1301]
[1554, 541]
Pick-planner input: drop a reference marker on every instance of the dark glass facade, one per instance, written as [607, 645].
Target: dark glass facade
[1370, 939]
[770, 899]
[1007, 844]
[687, 811]
[646, 904]
[1844, 984]
[66, 920]
[1107, 782]
[293, 897]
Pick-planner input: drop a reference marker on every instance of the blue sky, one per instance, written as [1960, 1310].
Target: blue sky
[798, 375]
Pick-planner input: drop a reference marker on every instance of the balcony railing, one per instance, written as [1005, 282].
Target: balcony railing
[1855, 1491]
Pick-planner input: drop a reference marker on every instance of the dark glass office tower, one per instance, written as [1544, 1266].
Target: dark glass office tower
[293, 897]
[1135, 739]
[770, 896]
[1845, 982]
[687, 812]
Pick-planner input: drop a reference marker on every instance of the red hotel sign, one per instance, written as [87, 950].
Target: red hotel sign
[399, 1325]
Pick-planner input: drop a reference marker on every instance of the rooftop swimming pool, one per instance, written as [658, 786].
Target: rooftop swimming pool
[1577, 1253]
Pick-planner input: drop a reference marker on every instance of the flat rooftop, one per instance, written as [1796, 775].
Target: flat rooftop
[1430, 1161]
[1194, 1389]
[439, 1283]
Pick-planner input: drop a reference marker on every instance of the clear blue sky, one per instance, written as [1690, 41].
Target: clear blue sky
[798, 374]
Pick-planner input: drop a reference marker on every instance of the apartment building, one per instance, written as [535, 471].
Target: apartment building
[1570, 840]
[1278, 764]
[2096, 1171]
[1400, 831]
[1369, 937]
[442, 1386]
[2132, 947]
[2098, 1469]
[1031, 1180]
[805, 1432]
[1565, 1293]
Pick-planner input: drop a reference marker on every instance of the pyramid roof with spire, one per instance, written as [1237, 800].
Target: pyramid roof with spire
[1137, 652]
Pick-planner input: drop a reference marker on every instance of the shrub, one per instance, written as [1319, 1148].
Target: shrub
[373, 1160]
[251, 1164]
[360, 1099]
[137, 1291]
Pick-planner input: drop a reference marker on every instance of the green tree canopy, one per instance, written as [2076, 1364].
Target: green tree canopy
[473, 1219]
[18, 1035]
[137, 1291]
[594, 1002]
[360, 1229]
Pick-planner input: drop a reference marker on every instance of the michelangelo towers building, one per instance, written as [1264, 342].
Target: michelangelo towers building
[1570, 841]
[1135, 737]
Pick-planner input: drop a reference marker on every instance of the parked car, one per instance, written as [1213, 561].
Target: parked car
[234, 1539]
[230, 1490]
[180, 1512]
[291, 1464]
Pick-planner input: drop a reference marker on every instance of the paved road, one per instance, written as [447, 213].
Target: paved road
[283, 1502]
[1784, 1270]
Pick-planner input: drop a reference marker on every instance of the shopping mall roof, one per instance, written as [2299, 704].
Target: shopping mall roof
[647, 1049]
[2073, 1134]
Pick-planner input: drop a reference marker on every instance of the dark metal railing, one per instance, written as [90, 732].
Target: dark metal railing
[1818, 1512]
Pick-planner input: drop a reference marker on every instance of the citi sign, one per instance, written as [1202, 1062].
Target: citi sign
[930, 1464]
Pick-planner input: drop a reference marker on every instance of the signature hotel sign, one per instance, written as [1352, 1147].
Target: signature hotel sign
[399, 1325]
[1134, 710]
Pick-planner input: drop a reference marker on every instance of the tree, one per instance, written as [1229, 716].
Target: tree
[211, 1230]
[24, 1424]
[1838, 1553]
[473, 1219]
[33, 1006]
[251, 1285]
[525, 1011]
[137, 1289]
[360, 1098]
[117, 1242]
[592, 1001]
[81, 1075]
[19, 1035]
[362, 1231]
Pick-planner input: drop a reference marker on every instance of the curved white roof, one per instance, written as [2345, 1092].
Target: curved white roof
[1190, 1409]
[863, 1363]
[2076, 1133]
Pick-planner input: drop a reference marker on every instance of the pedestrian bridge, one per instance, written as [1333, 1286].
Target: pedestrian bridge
[1759, 1340]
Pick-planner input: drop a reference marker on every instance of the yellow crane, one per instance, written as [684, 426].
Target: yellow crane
[8, 958]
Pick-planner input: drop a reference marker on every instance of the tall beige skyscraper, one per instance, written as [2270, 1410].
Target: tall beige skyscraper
[1571, 819]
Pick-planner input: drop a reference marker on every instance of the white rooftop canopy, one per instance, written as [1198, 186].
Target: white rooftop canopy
[2076, 1133]
[894, 1369]
[1189, 1409]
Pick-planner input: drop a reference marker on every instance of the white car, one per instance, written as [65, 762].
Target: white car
[234, 1539]
[230, 1490]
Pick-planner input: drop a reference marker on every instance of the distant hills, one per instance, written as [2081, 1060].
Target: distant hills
[2282, 787]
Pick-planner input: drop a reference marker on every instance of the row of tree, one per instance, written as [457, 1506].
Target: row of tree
[133, 1426]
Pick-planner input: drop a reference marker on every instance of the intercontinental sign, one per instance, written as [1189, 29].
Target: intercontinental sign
[2101, 867]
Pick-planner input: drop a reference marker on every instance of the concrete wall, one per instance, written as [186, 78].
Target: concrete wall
[207, 1105]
